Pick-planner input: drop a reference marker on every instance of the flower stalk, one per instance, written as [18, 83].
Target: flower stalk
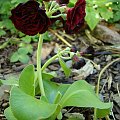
[98, 83]
[53, 58]
[46, 6]
[39, 72]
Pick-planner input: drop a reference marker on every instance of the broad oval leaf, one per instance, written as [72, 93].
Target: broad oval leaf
[24, 58]
[92, 17]
[9, 82]
[81, 94]
[22, 51]
[14, 57]
[52, 89]
[101, 113]
[8, 114]
[26, 107]
[26, 80]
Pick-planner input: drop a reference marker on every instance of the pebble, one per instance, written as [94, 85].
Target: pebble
[108, 58]
[97, 60]
[1, 115]
[54, 67]
[4, 105]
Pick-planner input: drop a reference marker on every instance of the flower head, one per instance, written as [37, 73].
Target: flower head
[75, 17]
[29, 18]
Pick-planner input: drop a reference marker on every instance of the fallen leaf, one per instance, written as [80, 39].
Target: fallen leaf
[85, 71]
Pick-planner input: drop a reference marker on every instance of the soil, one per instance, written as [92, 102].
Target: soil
[109, 84]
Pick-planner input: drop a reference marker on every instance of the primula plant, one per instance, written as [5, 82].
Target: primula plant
[33, 18]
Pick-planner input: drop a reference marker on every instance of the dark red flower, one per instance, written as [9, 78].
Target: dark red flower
[62, 1]
[29, 18]
[78, 62]
[73, 49]
[75, 17]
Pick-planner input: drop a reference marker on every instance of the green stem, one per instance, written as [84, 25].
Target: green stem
[53, 58]
[51, 6]
[4, 45]
[98, 82]
[46, 6]
[49, 61]
[55, 10]
[39, 72]
[56, 16]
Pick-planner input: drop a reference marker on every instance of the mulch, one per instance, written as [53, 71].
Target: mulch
[109, 87]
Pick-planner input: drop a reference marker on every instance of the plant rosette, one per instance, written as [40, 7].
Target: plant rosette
[31, 19]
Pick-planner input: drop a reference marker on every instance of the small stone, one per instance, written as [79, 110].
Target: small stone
[97, 60]
[1, 115]
[54, 67]
[4, 105]
[109, 57]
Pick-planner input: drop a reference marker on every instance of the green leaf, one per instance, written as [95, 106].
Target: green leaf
[11, 79]
[26, 80]
[8, 23]
[81, 94]
[73, 1]
[102, 112]
[100, 2]
[18, 1]
[9, 82]
[24, 58]
[1, 83]
[22, 51]
[48, 76]
[113, 0]
[45, 76]
[29, 47]
[14, 57]
[8, 114]
[26, 39]
[26, 107]
[46, 36]
[115, 7]
[52, 89]
[1, 25]
[92, 17]
[117, 16]
[66, 70]
[103, 11]
[57, 98]
[2, 32]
